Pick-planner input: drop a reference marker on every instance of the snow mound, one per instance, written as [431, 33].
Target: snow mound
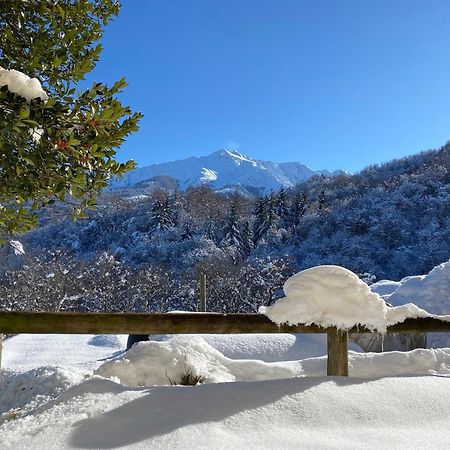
[21, 393]
[332, 296]
[431, 291]
[21, 84]
[105, 340]
[161, 363]
[268, 347]
[328, 296]
[395, 364]
[385, 288]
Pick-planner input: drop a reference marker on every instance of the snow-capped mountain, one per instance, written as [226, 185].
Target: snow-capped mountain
[222, 169]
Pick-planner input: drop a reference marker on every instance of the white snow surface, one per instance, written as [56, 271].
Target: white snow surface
[68, 407]
[309, 413]
[21, 84]
[385, 288]
[430, 292]
[83, 351]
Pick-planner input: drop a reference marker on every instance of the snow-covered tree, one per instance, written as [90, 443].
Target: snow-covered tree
[247, 239]
[187, 232]
[233, 239]
[282, 207]
[161, 215]
[260, 220]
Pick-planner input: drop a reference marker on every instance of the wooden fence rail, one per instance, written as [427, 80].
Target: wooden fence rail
[197, 323]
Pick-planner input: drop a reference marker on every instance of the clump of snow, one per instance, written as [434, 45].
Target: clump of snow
[328, 296]
[21, 84]
[160, 363]
[430, 292]
[17, 247]
[36, 134]
[400, 313]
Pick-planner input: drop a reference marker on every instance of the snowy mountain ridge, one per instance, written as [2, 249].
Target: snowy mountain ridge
[222, 169]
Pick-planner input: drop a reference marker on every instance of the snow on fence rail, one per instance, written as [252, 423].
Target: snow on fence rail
[198, 323]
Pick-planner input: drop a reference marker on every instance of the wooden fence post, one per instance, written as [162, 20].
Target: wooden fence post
[202, 306]
[337, 363]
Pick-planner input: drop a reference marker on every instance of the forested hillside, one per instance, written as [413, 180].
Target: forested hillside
[146, 253]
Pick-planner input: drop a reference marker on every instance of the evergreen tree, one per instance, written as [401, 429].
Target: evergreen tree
[272, 216]
[161, 215]
[260, 220]
[187, 232]
[299, 208]
[282, 209]
[322, 203]
[247, 238]
[210, 231]
[233, 236]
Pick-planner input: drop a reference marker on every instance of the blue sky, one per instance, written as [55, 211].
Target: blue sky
[332, 84]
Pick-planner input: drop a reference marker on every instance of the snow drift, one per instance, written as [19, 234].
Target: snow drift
[430, 292]
[163, 363]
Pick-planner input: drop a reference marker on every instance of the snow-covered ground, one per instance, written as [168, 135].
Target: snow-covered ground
[255, 391]
[54, 394]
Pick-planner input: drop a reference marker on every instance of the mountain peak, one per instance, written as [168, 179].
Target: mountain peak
[220, 169]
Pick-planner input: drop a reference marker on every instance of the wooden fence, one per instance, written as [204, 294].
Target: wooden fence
[197, 323]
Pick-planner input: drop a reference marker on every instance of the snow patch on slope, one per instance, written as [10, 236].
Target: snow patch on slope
[208, 175]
